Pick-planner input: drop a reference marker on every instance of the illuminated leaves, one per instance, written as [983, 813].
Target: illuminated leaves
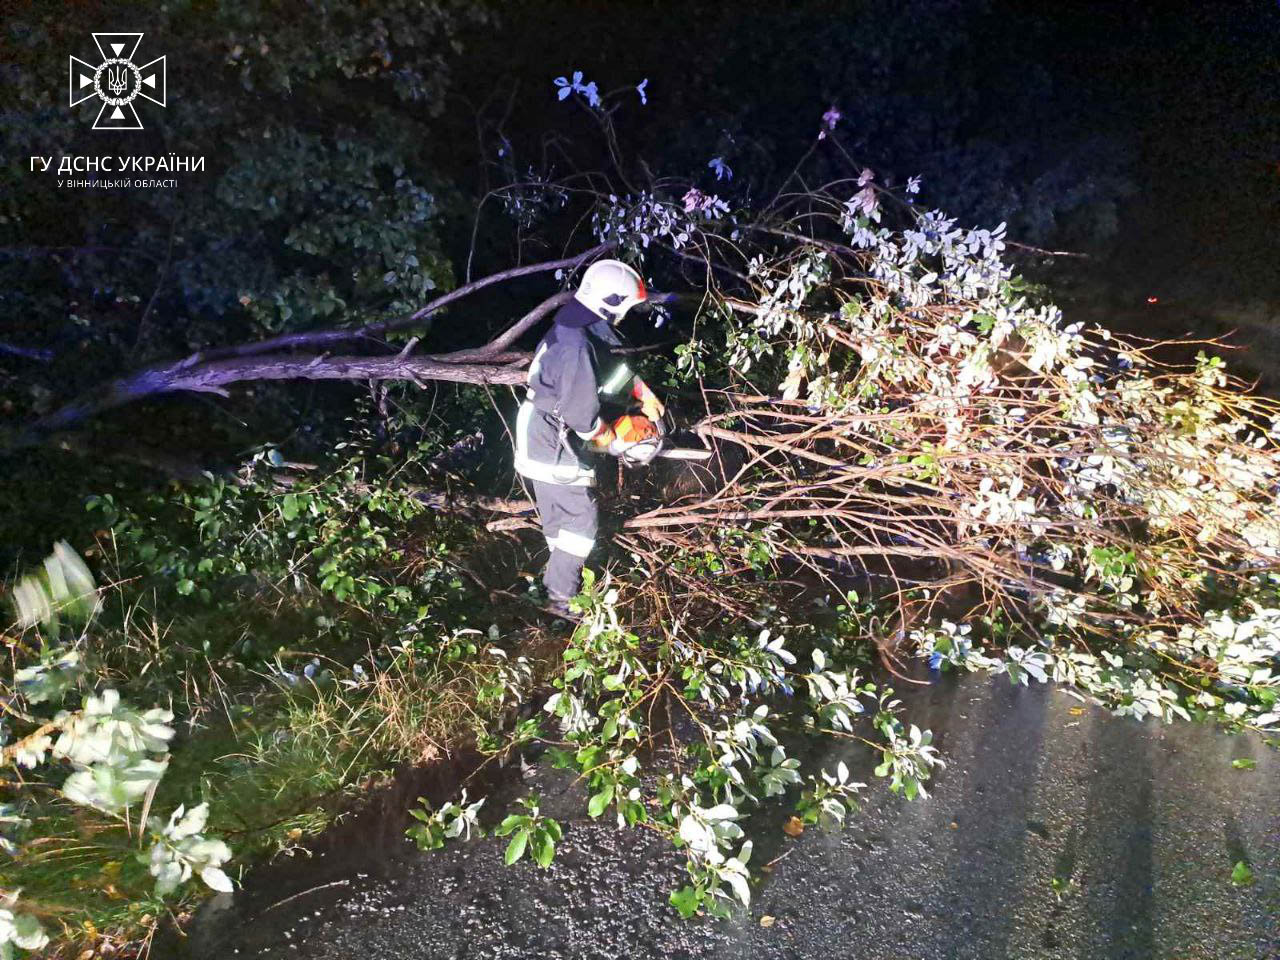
[589, 91]
[180, 850]
[17, 929]
[530, 832]
[451, 821]
[64, 587]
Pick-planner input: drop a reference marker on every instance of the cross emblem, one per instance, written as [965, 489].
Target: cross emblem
[117, 81]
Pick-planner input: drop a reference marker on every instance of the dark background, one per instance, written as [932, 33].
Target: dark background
[1152, 127]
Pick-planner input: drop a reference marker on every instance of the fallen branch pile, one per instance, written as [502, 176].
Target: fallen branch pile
[1032, 497]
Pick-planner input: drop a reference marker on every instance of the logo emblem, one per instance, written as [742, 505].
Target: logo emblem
[117, 81]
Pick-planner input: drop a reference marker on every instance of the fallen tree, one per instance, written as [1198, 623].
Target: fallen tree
[278, 357]
[905, 411]
[933, 464]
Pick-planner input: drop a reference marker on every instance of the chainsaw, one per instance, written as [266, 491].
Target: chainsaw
[639, 441]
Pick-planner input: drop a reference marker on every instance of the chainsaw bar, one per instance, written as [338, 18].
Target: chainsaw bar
[684, 453]
[676, 453]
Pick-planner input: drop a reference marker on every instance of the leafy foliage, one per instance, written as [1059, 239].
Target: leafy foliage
[276, 742]
[723, 684]
[63, 586]
[309, 208]
[531, 833]
[1086, 512]
[117, 756]
[341, 530]
[451, 821]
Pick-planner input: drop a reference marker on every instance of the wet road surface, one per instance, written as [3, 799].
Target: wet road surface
[1139, 823]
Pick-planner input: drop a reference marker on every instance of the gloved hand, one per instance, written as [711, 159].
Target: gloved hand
[650, 405]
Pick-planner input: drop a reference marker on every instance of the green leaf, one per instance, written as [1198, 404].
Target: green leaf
[27, 932]
[289, 506]
[632, 812]
[600, 801]
[687, 900]
[1244, 763]
[515, 849]
[544, 849]
[1241, 875]
[560, 758]
[186, 587]
[509, 824]
[426, 837]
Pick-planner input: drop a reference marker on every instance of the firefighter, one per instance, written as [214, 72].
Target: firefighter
[559, 425]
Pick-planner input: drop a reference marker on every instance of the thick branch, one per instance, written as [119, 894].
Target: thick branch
[319, 338]
[513, 333]
[213, 376]
[210, 370]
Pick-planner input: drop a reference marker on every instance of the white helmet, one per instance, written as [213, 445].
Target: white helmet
[609, 289]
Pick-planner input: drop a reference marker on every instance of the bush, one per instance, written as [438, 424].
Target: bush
[116, 755]
[305, 636]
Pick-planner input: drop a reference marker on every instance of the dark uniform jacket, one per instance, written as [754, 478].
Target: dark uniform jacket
[572, 367]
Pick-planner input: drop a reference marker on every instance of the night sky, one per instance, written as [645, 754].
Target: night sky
[1181, 98]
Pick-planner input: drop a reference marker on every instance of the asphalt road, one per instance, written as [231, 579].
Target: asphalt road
[1140, 823]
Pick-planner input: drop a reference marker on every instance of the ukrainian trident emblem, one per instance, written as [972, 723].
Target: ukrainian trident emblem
[117, 81]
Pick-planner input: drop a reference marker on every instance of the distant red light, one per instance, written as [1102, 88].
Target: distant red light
[1153, 299]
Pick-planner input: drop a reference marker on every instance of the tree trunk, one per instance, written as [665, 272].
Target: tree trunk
[213, 377]
[211, 370]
